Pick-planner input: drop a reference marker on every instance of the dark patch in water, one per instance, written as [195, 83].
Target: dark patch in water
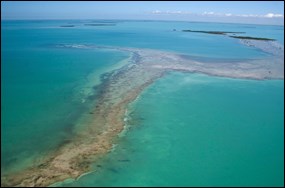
[68, 129]
[67, 26]
[124, 160]
[65, 142]
[91, 97]
[101, 24]
[104, 21]
[95, 87]
[8, 162]
[67, 135]
[113, 170]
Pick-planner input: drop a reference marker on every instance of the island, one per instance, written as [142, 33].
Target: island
[230, 32]
[213, 32]
[252, 38]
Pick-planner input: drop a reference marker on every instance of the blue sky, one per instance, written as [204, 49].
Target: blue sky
[262, 12]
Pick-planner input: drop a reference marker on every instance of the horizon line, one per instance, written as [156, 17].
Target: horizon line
[43, 19]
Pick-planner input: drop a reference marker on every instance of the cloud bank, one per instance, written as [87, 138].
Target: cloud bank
[268, 15]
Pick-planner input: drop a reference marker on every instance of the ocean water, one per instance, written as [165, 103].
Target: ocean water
[155, 35]
[46, 92]
[197, 130]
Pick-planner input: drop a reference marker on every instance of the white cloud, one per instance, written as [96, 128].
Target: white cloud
[214, 14]
[248, 15]
[271, 15]
[156, 12]
[206, 13]
[170, 12]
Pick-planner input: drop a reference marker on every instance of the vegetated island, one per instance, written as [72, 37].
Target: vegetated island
[213, 32]
[230, 32]
[252, 38]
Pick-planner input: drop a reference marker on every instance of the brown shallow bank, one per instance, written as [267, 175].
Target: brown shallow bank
[120, 88]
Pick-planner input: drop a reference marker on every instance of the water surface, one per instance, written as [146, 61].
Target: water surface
[197, 130]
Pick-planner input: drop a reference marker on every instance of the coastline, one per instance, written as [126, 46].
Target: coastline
[118, 89]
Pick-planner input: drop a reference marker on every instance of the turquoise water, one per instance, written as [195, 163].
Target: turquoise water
[45, 92]
[197, 130]
[155, 35]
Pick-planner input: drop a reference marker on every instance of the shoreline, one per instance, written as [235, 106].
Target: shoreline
[119, 88]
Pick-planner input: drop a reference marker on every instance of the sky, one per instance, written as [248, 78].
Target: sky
[256, 12]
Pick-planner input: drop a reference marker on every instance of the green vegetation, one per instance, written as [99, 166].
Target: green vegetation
[214, 32]
[252, 38]
[230, 32]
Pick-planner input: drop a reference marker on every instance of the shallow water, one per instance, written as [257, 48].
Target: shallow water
[47, 91]
[44, 93]
[197, 130]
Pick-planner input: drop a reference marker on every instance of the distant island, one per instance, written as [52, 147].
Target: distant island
[230, 32]
[252, 38]
[213, 32]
